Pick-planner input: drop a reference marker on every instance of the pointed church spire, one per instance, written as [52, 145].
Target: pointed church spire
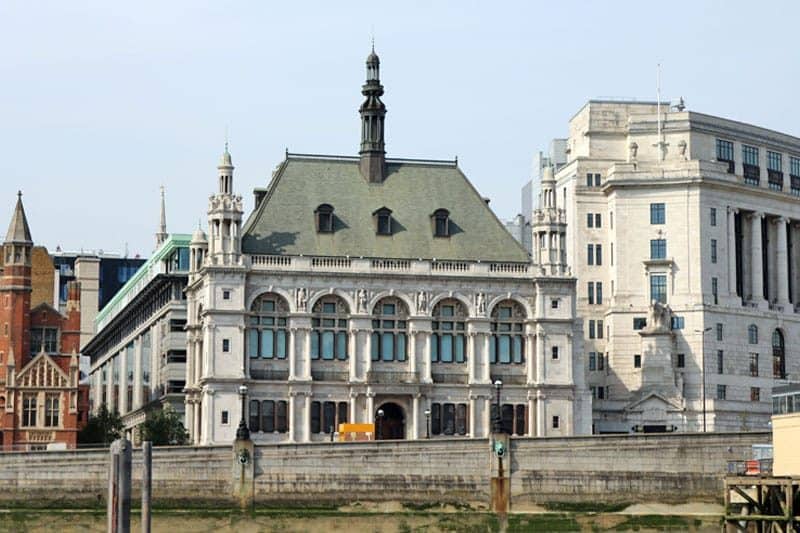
[18, 230]
[162, 235]
[373, 114]
[225, 172]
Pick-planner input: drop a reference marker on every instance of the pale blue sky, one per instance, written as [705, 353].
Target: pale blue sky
[102, 102]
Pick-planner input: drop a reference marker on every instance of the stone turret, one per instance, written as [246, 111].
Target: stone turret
[549, 227]
[373, 114]
[225, 218]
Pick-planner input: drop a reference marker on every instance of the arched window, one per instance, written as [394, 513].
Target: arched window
[752, 334]
[266, 331]
[389, 328]
[323, 216]
[383, 221]
[448, 341]
[329, 334]
[778, 355]
[441, 223]
[508, 343]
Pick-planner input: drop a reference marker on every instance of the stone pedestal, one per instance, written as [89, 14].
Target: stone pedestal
[500, 473]
[656, 350]
[242, 472]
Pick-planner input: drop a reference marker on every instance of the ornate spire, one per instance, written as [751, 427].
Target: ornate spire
[225, 172]
[373, 113]
[18, 231]
[162, 235]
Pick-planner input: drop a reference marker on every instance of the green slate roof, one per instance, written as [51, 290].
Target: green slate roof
[284, 222]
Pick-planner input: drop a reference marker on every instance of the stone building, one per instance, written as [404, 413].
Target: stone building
[367, 289]
[700, 215]
[41, 402]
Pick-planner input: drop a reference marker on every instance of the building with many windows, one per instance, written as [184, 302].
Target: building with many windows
[367, 289]
[138, 356]
[682, 229]
[42, 403]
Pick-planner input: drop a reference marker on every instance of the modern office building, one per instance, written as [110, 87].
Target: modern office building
[682, 229]
[367, 289]
[138, 356]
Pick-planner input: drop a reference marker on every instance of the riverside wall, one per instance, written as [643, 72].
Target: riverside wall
[667, 468]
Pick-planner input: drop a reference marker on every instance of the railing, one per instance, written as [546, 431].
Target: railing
[269, 374]
[329, 375]
[752, 467]
[413, 267]
[752, 174]
[449, 377]
[391, 377]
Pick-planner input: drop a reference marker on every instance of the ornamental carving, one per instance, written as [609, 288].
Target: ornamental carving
[301, 299]
[480, 303]
[422, 302]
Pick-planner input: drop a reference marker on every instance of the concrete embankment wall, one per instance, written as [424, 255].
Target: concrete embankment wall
[598, 469]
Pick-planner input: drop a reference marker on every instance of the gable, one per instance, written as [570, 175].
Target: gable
[652, 403]
[42, 372]
[284, 222]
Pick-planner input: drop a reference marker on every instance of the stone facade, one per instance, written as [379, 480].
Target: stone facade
[386, 295]
[699, 213]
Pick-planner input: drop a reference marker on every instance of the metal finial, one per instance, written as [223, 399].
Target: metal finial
[226, 138]
[19, 194]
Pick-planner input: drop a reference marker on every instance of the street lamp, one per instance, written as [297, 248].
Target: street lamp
[498, 419]
[427, 423]
[242, 432]
[702, 333]
[379, 414]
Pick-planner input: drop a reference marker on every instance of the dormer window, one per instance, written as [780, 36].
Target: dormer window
[324, 218]
[441, 223]
[383, 221]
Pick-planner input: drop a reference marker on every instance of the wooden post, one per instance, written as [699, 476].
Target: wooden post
[147, 480]
[122, 454]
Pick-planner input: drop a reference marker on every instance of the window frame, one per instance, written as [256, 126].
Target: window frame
[389, 325]
[324, 218]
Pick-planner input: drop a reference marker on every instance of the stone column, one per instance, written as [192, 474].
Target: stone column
[531, 357]
[781, 264]
[540, 426]
[540, 357]
[290, 416]
[411, 346]
[487, 367]
[137, 373]
[367, 355]
[352, 354]
[305, 357]
[426, 365]
[110, 366]
[189, 416]
[370, 414]
[531, 416]
[472, 360]
[292, 354]
[414, 429]
[732, 211]
[123, 382]
[306, 418]
[756, 270]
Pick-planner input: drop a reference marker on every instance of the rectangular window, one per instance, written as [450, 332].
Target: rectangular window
[719, 331]
[226, 295]
[599, 329]
[713, 250]
[51, 410]
[281, 418]
[713, 216]
[328, 417]
[715, 290]
[637, 361]
[658, 288]
[224, 418]
[658, 248]
[721, 392]
[589, 220]
[678, 322]
[590, 254]
[598, 254]
[436, 418]
[657, 214]
[725, 153]
[28, 410]
[681, 360]
[720, 362]
[268, 416]
[591, 329]
[598, 289]
[254, 415]
[639, 323]
[592, 361]
[774, 161]
[754, 365]
[752, 171]
[755, 394]
[794, 175]
[590, 292]
[598, 220]
[226, 345]
[554, 351]
[554, 303]
[316, 417]
[589, 179]
[556, 421]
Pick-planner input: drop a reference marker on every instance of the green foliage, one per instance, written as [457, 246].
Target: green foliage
[101, 428]
[163, 427]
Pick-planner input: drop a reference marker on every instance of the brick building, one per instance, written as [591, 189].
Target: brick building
[41, 402]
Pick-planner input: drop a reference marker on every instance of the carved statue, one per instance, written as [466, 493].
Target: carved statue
[659, 318]
[362, 300]
[682, 148]
[422, 302]
[633, 150]
[480, 303]
[301, 299]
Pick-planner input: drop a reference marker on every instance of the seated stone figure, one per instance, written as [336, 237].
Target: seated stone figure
[659, 319]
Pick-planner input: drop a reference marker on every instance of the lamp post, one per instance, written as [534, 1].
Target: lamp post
[243, 432]
[702, 333]
[379, 414]
[498, 419]
[427, 423]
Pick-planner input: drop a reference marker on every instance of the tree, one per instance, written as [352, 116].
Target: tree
[102, 428]
[164, 427]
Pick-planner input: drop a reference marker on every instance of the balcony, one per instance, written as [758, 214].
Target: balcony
[453, 378]
[752, 174]
[415, 267]
[391, 377]
[775, 178]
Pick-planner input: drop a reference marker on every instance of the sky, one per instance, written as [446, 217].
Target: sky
[102, 102]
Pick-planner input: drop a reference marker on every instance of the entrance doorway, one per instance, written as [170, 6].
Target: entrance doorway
[392, 425]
